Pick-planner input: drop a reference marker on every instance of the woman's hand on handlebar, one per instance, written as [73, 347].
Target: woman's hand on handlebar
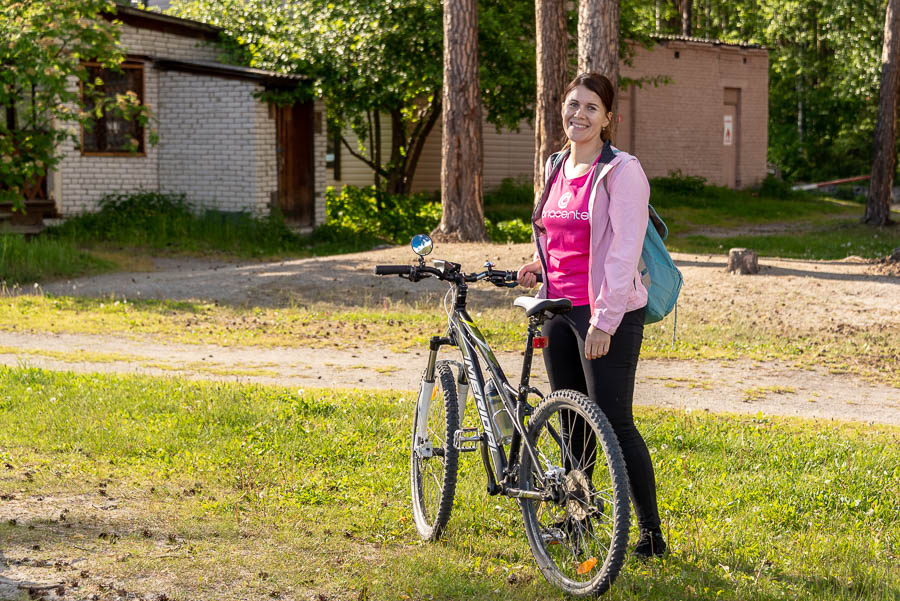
[528, 273]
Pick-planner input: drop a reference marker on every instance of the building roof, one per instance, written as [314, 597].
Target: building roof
[270, 78]
[684, 38]
[146, 19]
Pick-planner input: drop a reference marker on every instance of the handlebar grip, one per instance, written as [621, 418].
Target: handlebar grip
[393, 269]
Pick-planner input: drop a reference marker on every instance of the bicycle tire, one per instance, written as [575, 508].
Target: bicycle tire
[579, 539]
[431, 508]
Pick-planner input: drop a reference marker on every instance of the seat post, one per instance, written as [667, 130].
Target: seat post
[534, 324]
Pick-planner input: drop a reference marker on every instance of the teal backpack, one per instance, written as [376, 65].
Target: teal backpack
[658, 273]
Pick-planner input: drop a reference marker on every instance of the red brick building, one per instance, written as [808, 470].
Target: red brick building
[710, 120]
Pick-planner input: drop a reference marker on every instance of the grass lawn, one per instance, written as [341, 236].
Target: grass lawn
[217, 491]
[802, 226]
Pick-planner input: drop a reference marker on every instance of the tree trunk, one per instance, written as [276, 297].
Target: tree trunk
[684, 7]
[395, 182]
[884, 160]
[376, 144]
[552, 77]
[598, 44]
[462, 217]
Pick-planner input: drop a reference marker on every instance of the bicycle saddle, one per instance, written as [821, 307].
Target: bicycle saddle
[533, 305]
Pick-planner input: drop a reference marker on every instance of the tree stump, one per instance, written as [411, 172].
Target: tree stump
[742, 261]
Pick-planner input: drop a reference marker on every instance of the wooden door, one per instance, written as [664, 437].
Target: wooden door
[296, 163]
[731, 118]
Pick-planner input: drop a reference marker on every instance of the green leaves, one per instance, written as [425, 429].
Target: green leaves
[45, 46]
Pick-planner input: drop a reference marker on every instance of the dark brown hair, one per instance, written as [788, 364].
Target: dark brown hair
[599, 85]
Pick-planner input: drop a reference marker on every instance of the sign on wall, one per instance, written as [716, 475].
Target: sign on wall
[729, 131]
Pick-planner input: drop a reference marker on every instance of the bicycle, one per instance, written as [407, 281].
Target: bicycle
[574, 504]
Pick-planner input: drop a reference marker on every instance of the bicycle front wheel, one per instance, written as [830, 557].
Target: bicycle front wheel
[434, 458]
[579, 532]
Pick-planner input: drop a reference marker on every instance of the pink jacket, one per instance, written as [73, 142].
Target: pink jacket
[617, 236]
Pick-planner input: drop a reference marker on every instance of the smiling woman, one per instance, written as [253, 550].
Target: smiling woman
[589, 239]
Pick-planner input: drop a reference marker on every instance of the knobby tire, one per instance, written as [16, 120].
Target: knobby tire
[433, 479]
[579, 544]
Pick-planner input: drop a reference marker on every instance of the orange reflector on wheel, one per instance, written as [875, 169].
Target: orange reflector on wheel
[540, 342]
[586, 567]
[433, 393]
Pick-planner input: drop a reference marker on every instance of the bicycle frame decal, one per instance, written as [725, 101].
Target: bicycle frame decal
[476, 335]
[475, 384]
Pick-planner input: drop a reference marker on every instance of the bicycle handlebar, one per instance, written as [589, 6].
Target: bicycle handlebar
[393, 269]
[451, 272]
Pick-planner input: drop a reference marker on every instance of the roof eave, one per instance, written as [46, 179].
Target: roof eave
[267, 78]
[145, 19]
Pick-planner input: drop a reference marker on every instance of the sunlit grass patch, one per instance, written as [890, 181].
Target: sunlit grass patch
[837, 240]
[226, 486]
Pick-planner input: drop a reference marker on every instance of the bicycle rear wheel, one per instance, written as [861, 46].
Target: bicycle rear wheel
[434, 459]
[579, 533]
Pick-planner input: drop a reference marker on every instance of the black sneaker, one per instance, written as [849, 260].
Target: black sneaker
[650, 544]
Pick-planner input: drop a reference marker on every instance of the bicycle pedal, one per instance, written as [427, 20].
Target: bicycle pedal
[463, 438]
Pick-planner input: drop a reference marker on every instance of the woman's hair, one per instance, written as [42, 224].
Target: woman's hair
[599, 85]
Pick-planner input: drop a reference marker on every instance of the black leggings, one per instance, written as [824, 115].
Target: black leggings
[609, 382]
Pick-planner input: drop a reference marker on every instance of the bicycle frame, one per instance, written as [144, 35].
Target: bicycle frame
[465, 335]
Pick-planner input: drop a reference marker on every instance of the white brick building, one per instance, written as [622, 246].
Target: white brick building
[218, 144]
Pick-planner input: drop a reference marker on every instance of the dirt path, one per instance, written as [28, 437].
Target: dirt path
[828, 294]
[722, 386]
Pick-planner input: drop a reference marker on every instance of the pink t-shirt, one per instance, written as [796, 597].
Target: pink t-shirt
[567, 221]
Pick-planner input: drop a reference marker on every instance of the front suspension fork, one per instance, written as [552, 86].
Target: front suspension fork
[426, 389]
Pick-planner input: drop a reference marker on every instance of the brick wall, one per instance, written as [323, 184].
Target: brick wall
[216, 143]
[80, 181]
[680, 125]
[157, 44]
[320, 139]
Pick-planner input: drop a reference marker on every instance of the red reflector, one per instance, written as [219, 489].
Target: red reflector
[540, 342]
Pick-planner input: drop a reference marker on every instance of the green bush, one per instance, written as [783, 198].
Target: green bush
[512, 230]
[851, 192]
[773, 187]
[396, 218]
[511, 191]
[25, 261]
[678, 183]
[166, 221]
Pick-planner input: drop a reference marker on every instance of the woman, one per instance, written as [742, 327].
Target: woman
[589, 236]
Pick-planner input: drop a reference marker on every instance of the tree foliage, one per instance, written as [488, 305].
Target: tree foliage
[43, 50]
[374, 58]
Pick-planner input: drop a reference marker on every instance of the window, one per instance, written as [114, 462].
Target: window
[111, 134]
